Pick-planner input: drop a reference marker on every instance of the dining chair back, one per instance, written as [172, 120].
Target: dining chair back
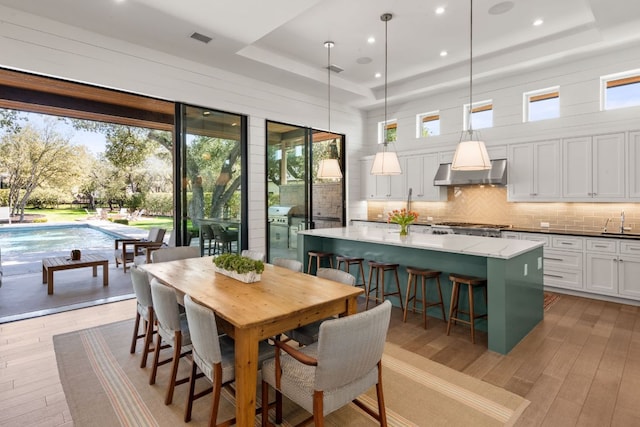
[308, 334]
[173, 254]
[344, 363]
[172, 329]
[255, 255]
[291, 264]
[144, 311]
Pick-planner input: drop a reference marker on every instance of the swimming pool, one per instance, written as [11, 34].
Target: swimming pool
[48, 239]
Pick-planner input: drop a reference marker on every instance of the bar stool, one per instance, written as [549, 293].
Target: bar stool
[471, 282]
[348, 262]
[380, 269]
[319, 256]
[425, 274]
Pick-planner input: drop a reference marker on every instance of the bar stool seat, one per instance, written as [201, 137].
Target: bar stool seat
[425, 274]
[319, 256]
[380, 268]
[348, 262]
[454, 311]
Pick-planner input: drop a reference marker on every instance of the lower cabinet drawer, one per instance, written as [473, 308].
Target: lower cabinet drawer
[571, 279]
[561, 260]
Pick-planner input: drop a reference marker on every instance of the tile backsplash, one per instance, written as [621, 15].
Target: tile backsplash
[488, 205]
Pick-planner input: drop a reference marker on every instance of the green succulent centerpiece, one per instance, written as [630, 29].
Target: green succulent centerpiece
[241, 268]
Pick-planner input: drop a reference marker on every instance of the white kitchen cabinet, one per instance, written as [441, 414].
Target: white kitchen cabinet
[633, 165]
[563, 269]
[510, 235]
[629, 269]
[379, 187]
[602, 274]
[594, 167]
[420, 171]
[534, 171]
[367, 181]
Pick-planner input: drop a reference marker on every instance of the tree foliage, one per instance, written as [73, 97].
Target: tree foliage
[33, 158]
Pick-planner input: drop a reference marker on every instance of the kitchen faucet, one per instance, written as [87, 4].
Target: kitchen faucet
[621, 222]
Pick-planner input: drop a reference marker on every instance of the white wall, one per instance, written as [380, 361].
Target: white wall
[41, 46]
[579, 81]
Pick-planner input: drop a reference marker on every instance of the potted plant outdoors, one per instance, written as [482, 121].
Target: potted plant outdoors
[241, 268]
[403, 218]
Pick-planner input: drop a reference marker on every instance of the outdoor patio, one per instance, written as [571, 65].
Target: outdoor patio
[23, 295]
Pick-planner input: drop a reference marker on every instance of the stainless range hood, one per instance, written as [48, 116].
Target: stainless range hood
[497, 175]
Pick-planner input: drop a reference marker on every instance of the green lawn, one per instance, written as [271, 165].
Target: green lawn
[72, 214]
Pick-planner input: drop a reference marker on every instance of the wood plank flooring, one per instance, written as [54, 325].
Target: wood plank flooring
[579, 367]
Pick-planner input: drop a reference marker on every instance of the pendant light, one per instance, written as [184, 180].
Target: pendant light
[470, 154]
[330, 168]
[386, 162]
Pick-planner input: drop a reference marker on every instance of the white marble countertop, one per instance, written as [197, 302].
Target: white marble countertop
[490, 247]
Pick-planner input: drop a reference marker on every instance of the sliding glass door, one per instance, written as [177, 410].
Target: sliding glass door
[296, 198]
[212, 167]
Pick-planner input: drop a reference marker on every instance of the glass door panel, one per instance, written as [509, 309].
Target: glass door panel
[286, 188]
[213, 176]
[327, 195]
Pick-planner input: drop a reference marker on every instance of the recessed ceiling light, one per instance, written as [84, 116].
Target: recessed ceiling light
[444, 53]
[378, 75]
[371, 40]
[538, 22]
[439, 10]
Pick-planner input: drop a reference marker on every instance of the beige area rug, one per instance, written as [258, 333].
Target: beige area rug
[549, 300]
[104, 386]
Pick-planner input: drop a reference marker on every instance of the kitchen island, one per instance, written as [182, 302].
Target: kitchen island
[513, 269]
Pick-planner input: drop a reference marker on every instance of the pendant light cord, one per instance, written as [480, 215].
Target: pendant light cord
[329, 45]
[470, 67]
[386, 17]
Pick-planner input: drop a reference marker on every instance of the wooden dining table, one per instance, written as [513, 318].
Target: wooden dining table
[250, 312]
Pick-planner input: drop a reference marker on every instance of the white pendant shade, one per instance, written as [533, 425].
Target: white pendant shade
[471, 156]
[329, 168]
[386, 163]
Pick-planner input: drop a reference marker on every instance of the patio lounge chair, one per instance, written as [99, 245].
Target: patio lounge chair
[127, 249]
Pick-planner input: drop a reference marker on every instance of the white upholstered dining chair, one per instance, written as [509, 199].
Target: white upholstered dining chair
[255, 255]
[291, 264]
[329, 374]
[308, 334]
[174, 254]
[144, 312]
[172, 329]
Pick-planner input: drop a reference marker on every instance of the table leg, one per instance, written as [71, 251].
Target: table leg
[105, 274]
[44, 274]
[246, 349]
[95, 270]
[50, 281]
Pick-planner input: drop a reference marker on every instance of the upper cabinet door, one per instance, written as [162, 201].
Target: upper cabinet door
[594, 167]
[420, 171]
[367, 181]
[633, 165]
[534, 171]
[608, 166]
[577, 158]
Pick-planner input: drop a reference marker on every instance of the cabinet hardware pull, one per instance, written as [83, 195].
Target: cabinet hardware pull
[553, 275]
[554, 259]
[621, 260]
[631, 248]
[566, 243]
[600, 246]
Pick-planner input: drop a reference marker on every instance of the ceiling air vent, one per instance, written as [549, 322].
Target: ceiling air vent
[335, 68]
[201, 37]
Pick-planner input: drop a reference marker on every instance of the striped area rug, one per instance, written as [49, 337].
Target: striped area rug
[104, 386]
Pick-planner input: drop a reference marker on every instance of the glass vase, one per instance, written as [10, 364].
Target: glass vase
[404, 229]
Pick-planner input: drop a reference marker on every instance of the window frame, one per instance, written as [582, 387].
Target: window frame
[617, 80]
[541, 94]
[476, 107]
[420, 119]
[382, 127]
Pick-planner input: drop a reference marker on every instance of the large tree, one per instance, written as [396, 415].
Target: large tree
[33, 158]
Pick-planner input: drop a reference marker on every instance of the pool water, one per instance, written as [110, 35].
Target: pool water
[47, 239]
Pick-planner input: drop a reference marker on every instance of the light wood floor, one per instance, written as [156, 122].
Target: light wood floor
[580, 366]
